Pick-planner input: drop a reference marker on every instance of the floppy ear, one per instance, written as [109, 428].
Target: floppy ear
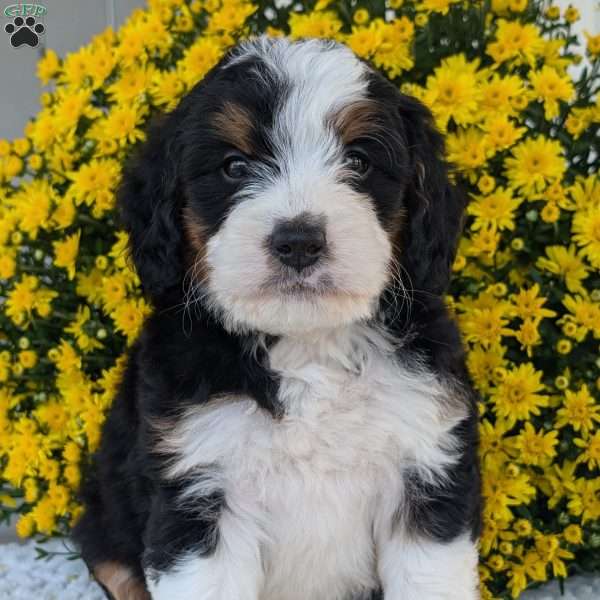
[434, 206]
[149, 204]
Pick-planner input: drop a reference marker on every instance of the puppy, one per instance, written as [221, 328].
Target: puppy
[295, 421]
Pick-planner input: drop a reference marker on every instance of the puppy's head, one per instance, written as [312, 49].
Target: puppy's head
[289, 190]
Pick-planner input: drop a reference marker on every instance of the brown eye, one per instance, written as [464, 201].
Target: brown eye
[236, 168]
[357, 162]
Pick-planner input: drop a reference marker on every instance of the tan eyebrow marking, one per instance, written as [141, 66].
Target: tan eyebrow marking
[234, 125]
[356, 120]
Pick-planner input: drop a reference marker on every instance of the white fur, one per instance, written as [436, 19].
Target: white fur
[319, 79]
[427, 570]
[308, 495]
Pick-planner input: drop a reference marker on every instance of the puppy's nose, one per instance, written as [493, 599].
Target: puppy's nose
[298, 244]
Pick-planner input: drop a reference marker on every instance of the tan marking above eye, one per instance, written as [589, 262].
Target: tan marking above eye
[356, 120]
[234, 124]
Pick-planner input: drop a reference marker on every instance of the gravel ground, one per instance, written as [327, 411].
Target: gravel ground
[22, 577]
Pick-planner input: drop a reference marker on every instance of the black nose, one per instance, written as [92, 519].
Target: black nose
[298, 243]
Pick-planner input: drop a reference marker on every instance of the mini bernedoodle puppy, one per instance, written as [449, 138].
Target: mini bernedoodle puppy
[295, 421]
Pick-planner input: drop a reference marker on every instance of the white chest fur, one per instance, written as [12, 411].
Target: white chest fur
[315, 486]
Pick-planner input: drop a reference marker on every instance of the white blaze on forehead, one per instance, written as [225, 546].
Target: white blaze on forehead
[316, 80]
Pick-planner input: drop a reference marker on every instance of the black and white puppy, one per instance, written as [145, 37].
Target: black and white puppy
[295, 421]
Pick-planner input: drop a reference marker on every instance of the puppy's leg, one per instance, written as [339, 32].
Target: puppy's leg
[119, 582]
[424, 569]
[226, 568]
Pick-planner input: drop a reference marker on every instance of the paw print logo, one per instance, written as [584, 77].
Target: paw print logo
[24, 31]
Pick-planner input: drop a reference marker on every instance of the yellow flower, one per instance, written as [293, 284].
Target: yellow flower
[66, 251]
[498, 92]
[65, 357]
[452, 91]
[199, 59]
[483, 364]
[502, 133]
[44, 516]
[121, 125]
[8, 264]
[131, 85]
[564, 346]
[32, 205]
[584, 194]
[522, 527]
[585, 314]
[316, 24]
[534, 164]
[361, 16]
[48, 67]
[550, 87]
[21, 299]
[593, 44]
[518, 5]
[579, 410]
[591, 454]
[364, 41]
[566, 263]
[584, 499]
[529, 305]
[94, 181]
[573, 534]
[492, 439]
[515, 41]
[485, 326]
[28, 358]
[586, 233]
[548, 547]
[571, 14]
[528, 335]
[496, 210]
[467, 149]
[550, 213]
[439, 6]
[25, 526]
[518, 396]
[536, 447]
[166, 89]
[128, 317]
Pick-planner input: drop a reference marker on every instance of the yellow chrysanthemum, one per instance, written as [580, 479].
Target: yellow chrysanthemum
[495, 210]
[586, 233]
[567, 264]
[534, 164]
[518, 396]
[551, 87]
[579, 411]
[66, 251]
[452, 91]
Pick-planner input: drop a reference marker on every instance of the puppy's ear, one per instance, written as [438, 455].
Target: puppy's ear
[434, 206]
[149, 204]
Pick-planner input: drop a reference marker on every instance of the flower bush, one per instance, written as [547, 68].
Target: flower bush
[523, 135]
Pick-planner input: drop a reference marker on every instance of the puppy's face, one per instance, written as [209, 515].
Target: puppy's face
[288, 170]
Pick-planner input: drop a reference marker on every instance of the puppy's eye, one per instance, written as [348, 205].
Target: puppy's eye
[357, 162]
[236, 167]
